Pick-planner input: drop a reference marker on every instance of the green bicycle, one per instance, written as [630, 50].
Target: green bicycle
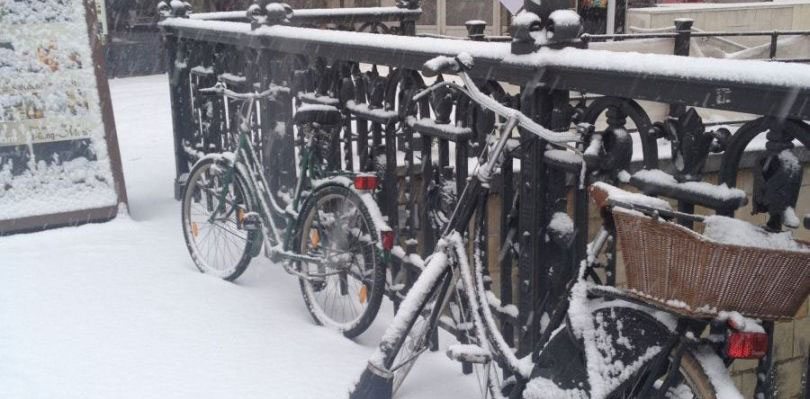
[331, 236]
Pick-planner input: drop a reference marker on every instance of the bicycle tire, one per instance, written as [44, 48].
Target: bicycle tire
[696, 378]
[371, 290]
[242, 253]
[693, 377]
[420, 332]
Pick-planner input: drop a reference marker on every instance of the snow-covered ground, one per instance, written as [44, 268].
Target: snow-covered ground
[117, 310]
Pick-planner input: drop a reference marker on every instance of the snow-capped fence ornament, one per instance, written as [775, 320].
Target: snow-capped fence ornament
[547, 27]
[268, 12]
[174, 9]
[442, 100]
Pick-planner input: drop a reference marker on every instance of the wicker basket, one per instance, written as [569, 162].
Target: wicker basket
[673, 267]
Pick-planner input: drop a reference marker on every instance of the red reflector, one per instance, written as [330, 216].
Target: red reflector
[747, 345]
[388, 240]
[365, 183]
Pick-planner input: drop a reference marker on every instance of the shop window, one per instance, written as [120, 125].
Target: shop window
[461, 11]
[428, 13]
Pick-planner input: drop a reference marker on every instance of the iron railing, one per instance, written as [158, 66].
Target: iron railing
[371, 79]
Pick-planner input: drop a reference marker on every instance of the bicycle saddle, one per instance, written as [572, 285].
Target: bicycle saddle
[324, 115]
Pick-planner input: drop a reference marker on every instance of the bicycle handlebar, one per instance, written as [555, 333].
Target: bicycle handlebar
[220, 90]
[464, 62]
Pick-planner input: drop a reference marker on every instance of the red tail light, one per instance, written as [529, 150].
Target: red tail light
[747, 345]
[388, 240]
[365, 183]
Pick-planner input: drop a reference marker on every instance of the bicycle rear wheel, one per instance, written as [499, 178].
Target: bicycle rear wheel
[693, 383]
[215, 236]
[345, 289]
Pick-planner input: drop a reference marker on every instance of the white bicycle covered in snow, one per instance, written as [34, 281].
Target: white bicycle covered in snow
[600, 342]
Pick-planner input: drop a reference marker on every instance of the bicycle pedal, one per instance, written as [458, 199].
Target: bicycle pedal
[251, 222]
[469, 354]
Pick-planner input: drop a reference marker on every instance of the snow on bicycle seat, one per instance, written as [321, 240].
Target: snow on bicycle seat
[325, 115]
[603, 193]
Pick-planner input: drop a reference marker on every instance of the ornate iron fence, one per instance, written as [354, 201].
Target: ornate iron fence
[369, 70]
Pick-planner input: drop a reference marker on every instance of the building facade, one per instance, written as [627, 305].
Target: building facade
[443, 17]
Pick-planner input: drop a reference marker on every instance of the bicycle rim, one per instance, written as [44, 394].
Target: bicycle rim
[341, 292]
[218, 244]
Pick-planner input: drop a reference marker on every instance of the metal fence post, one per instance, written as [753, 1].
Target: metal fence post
[178, 68]
[532, 265]
[683, 27]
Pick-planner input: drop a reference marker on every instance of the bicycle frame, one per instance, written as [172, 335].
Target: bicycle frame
[441, 274]
[245, 158]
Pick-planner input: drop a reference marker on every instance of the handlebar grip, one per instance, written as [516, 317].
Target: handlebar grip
[211, 91]
[440, 64]
[443, 64]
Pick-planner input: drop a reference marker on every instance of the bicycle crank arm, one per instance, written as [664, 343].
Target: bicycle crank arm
[289, 256]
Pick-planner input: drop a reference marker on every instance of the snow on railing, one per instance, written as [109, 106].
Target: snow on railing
[371, 79]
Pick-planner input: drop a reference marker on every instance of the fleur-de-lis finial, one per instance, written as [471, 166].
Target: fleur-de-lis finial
[269, 12]
[164, 10]
[174, 9]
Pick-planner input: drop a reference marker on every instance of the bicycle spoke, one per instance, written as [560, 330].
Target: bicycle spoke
[212, 223]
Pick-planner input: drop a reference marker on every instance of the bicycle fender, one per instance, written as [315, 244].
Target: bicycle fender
[718, 374]
[365, 196]
[621, 341]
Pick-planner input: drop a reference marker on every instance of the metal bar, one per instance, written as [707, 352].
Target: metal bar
[391, 194]
[179, 87]
[579, 70]
[532, 262]
[668, 35]
[765, 370]
[754, 33]
[362, 145]
[560, 268]
[507, 200]
[325, 15]
[683, 29]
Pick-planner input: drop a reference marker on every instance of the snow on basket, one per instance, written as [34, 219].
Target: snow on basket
[675, 268]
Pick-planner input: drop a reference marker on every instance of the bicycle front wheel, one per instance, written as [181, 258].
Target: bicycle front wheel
[214, 232]
[344, 288]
